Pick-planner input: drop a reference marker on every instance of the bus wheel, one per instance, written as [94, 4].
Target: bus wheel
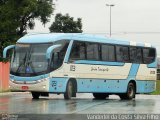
[130, 92]
[35, 95]
[69, 90]
[100, 95]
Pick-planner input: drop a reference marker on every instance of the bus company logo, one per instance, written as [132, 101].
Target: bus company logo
[72, 68]
[99, 69]
[27, 69]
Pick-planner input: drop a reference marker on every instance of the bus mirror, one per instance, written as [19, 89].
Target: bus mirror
[50, 51]
[6, 49]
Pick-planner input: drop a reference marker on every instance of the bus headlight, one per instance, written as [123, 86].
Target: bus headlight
[12, 80]
[38, 81]
[44, 87]
[42, 80]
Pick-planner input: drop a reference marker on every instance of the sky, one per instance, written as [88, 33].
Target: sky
[133, 20]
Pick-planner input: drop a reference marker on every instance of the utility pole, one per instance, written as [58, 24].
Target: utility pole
[110, 6]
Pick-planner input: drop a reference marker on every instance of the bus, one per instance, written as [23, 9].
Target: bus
[70, 63]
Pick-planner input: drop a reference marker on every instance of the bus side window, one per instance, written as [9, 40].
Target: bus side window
[148, 55]
[108, 52]
[136, 55]
[55, 61]
[78, 51]
[133, 54]
[139, 55]
[92, 50]
[122, 54]
[58, 56]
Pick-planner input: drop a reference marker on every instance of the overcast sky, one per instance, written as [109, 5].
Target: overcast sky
[135, 20]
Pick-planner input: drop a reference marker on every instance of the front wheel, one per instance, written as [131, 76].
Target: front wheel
[35, 95]
[69, 90]
[100, 95]
[130, 94]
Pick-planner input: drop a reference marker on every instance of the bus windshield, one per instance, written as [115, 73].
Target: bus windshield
[29, 59]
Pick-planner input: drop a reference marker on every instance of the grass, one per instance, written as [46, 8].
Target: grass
[157, 92]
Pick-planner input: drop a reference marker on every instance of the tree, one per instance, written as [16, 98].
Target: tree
[16, 16]
[66, 24]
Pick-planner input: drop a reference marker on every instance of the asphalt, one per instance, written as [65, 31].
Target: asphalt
[22, 104]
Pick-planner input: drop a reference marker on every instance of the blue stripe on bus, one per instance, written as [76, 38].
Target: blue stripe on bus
[97, 85]
[99, 63]
[133, 71]
[45, 38]
[33, 78]
[152, 65]
[58, 85]
[112, 86]
[145, 86]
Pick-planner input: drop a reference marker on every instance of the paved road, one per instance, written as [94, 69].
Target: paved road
[22, 103]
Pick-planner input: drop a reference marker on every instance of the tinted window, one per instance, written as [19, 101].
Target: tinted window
[135, 55]
[78, 51]
[108, 53]
[139, 55]
[58, 54]
[122, 54]
[148, 55]
[92, 51]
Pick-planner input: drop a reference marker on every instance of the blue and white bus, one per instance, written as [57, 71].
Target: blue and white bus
[64, 63]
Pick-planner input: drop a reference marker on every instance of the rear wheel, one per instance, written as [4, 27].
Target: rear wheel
[100, 95]
[130, 94]
[69, 90]
[35, 95]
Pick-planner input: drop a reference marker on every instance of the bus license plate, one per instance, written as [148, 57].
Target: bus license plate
[25, 87]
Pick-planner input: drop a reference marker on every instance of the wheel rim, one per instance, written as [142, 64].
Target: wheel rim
[130, 91]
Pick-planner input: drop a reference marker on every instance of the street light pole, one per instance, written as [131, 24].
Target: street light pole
[110, 5]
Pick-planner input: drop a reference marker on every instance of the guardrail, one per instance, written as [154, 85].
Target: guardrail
[4, 76]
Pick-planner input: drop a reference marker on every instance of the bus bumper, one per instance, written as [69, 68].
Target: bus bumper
[37, 87]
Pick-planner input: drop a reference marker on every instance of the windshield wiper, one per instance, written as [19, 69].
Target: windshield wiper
[22, 63]
[29, 62]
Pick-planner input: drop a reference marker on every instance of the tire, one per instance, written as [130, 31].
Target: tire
[35, 95]
[69, 90]
[100, 95]
[130, 94]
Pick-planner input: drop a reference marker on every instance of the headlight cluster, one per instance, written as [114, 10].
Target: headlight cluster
[42, 80]
[29, 82]
[12, 80]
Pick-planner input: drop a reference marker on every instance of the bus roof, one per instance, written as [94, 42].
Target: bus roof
[51, 37]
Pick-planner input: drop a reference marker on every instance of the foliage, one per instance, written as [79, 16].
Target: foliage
[66, 24]
[157, 91]
[16, 16]
[4, 60]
